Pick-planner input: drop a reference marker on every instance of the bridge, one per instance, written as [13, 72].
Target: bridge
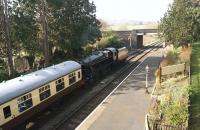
[145, 31]
[134, 38]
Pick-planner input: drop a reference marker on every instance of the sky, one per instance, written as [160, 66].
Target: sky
[131, 10]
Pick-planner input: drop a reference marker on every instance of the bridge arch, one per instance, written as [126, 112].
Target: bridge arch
[134, 38]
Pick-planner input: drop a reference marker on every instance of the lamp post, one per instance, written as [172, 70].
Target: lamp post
[163, 50]
[147, 70]
[130, 40]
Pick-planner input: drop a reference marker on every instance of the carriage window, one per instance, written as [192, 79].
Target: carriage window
[72, 78]
[60, 84]
[25, 102]
[44, 92]
[7, 112]
[79, 74]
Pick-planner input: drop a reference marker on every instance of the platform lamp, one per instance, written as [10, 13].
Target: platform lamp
[147, 70]
[130, 40]
[163, 47]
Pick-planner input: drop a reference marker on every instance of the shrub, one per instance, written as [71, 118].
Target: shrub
[175, 114]
[110, 39]
[185, 54]
[3, 75]
[175, 106]
[89, 48]
[3, 72]
[171, 56]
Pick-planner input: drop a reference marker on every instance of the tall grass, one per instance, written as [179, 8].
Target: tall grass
[194, 121]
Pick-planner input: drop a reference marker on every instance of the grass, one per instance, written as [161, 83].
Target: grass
[194, 121]
[171, 85]
[173, 105]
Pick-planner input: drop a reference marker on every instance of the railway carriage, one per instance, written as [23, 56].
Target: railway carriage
[22, 97]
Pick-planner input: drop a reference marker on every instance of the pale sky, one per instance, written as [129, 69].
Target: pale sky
[127, 10]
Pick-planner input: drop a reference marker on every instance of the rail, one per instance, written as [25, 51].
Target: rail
[66, 115]
[123, 72]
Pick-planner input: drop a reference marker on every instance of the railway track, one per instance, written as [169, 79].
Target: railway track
[72, 120]
[69, 116]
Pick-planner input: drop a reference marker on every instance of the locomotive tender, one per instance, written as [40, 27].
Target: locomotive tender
[24, 96]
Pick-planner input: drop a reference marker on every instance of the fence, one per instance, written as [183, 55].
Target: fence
[160, 126]
[152, 124]
[172, 71]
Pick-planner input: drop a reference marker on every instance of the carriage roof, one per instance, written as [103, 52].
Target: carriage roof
[23, 84]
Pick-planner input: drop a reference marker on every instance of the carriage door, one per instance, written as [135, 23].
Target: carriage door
[6, 112]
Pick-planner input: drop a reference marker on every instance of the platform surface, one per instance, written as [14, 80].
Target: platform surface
[126, 107]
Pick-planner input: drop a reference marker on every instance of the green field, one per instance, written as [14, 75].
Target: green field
[194, 121]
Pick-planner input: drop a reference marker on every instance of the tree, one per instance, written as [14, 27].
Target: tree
[25, 30]
[25, 27]
[180, 24]
[37, 27]
[30, 28]
[2, 33]
[73, 24]
[6, 31]
[43, 17]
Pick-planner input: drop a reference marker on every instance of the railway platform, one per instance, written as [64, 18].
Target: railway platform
[126, 106]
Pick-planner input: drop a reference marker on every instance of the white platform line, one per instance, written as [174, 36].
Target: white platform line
[109, 95]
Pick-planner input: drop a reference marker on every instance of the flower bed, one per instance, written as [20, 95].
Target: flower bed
[170, 98]
[169, 104]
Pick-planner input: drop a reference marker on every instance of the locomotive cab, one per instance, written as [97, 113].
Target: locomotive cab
[114, 52]
[107, 53]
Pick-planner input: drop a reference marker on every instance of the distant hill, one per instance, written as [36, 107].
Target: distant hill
[123, 27]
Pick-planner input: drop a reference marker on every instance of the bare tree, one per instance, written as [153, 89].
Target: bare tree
[6, 30]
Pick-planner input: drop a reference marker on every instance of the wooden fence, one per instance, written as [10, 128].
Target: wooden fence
[159, 126]
[172, 71]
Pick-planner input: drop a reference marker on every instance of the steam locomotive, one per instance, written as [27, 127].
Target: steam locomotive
[99, 61]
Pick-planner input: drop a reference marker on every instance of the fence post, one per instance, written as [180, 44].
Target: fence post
[160, 75]
[189, 73]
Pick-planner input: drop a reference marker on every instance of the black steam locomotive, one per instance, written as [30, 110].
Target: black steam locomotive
[98, 62]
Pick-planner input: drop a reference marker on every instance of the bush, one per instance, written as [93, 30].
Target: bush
[171, 57]
[175, 114]
[115, 41]
[89, 48]
[185, 54]
[175, 106]
[3, 75]
[3, 71]
[110, 39]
